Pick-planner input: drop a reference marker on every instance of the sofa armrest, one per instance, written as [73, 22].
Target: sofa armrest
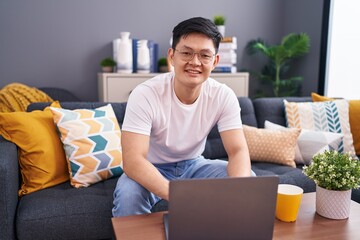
[9, 186]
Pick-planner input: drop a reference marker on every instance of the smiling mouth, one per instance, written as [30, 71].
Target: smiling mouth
[193, 71]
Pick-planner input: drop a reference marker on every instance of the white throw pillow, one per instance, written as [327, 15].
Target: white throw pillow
[330, 116]
[311, 142]
[92, 143]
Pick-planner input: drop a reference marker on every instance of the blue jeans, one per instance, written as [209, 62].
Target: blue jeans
[131, 198]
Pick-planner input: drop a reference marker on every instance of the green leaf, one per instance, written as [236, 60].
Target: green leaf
[255, 46]
[279, 61]
[334, 171]
[296, 45]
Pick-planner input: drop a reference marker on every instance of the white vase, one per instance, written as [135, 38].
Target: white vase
[221, 29]
[124, 54]
[143, 57]
[333, 204]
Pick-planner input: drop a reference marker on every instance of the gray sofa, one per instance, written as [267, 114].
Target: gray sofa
[64, 212]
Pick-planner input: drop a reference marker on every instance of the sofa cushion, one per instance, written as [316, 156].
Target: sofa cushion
[91, 139]
[332, 116]
[41, 156]
[64, 212]
[286, 174]
[276, 146]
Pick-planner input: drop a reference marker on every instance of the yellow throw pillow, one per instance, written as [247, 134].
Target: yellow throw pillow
[275, 146]
[41, 155]
[354, 118]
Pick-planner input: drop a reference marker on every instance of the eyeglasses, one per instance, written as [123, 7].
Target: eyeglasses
[205, 56]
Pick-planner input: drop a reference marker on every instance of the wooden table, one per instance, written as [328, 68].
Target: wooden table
[308, 225]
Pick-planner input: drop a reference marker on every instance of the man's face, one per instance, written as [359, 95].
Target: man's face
[193, 72]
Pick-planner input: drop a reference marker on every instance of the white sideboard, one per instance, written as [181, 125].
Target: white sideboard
[116, 87]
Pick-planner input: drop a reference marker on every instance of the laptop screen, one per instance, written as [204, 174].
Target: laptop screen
[226, 208]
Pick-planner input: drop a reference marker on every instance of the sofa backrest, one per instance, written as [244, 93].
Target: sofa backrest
[273, 110]
[253, 113]
[119, 108]
[214, 148]
[60, 94]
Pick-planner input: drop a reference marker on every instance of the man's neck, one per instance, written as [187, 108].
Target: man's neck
[187, 95]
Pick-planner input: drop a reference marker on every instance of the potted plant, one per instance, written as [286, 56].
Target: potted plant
[108, 64]
[163, 65]
[219, 21]
[335, 175]
[279, 58]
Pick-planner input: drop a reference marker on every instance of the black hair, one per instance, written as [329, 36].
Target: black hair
[196, 25]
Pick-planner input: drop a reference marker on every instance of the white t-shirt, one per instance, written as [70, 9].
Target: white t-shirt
[178, 131]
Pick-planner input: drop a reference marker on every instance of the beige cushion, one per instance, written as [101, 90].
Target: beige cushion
[275, 146]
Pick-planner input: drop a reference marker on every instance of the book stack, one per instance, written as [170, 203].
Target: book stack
[153, 49]
[228, 57]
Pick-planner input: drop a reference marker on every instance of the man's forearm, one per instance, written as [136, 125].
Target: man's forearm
[147, 175]
[239, 165]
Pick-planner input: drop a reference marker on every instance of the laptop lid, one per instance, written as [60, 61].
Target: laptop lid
[226, 208]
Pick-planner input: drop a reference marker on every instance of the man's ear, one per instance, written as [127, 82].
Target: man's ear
[171, 55]
[216, 61]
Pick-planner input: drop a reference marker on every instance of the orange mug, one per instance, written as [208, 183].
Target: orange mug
[288, 202]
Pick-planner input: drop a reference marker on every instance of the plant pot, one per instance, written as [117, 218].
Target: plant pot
[163, 69]
[107, 69]
[221, 29]
[333, 204]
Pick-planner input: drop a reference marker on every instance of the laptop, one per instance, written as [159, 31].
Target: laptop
[226, 208]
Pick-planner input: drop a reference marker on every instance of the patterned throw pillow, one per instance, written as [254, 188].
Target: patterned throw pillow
[331, 116]
[311, 142]
[91, 139]
[41, 155]
[275, 146]
[354, 118]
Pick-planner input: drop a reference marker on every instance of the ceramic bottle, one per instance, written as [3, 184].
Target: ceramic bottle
[124, 54]
[143, 57]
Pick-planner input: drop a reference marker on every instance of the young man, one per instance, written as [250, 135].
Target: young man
[168, 119]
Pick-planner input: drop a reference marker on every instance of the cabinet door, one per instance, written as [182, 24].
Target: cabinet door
[119, 89]
[238, 82]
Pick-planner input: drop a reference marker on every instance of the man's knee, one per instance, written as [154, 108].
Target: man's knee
[127, 189]
[131, 198]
